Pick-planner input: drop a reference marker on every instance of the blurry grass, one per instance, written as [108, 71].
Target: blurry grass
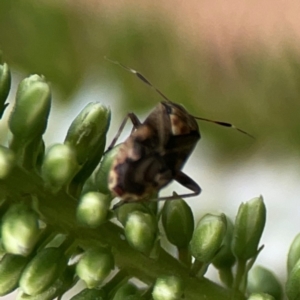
[261, 93]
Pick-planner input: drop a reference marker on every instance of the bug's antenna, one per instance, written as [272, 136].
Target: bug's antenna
[225, 124]
[140, 76]
[145, 80]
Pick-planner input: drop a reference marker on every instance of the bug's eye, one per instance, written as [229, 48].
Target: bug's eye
[168, 109]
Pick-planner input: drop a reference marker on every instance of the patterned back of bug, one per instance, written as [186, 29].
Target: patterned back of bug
[152, 155]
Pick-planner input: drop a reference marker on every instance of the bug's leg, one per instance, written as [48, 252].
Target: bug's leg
[135, 122]
[187, 182]
[181, 178]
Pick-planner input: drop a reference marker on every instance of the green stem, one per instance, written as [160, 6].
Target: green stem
[199, 269]
[68, 245]
[226, 277]
[148, 293]
[26, 152]
[45, 237]
[197, 265]
[240, 273]
[59, 211]
[184, 256]
[31, 152]
[4, 205]
[203, 270]
[17, 147]
[112, 286]
[249, 264]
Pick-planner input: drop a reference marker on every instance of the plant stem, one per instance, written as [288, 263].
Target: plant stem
[240, 273]
[226, 276]
[59, 211]
[184, 256]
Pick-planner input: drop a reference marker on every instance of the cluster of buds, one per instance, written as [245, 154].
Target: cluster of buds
[35, 258]
[45, 256]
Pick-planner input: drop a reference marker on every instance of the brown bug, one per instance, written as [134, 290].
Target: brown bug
[156, 151]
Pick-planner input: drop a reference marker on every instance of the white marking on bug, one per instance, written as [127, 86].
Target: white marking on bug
[178, 126]
[113, 179]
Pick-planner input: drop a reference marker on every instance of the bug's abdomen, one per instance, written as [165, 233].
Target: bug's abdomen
[136, 178]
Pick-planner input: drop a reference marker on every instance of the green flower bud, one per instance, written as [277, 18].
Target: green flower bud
[87, 133]
[167, 288]
[260, 296]
[87, 136]
[5, 81]
[39, 155]
[127, 289]
[90, 294]
[101, 173]
[59, 165]
[178, 222]
[140, 231]
[293, 283]
[43, 270]
[208, 237]
[92, 209]
[249, 225]
[123, 211]
[294, 253]
[7, 161]
[225, 258]
[11, 267]
[261, 280]
[58, 288]
[20, 229]
[94, 266]
[28, 119]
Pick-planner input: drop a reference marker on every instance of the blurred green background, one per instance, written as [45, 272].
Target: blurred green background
[258, 92]
[254, 87]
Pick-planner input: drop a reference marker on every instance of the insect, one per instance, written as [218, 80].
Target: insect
[156, 151]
